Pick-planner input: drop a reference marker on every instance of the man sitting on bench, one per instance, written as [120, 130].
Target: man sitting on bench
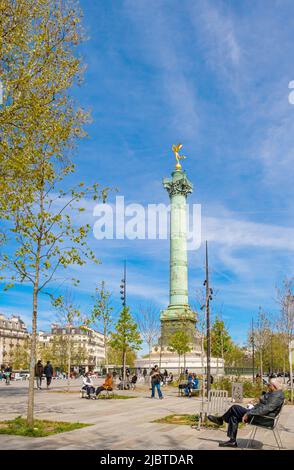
[108, 384]
[269, 405]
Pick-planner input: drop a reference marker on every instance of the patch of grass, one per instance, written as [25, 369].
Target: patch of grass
[117, 397]
[41, 428]
[190, 420]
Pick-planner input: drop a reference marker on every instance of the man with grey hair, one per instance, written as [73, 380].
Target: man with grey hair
[269, 405]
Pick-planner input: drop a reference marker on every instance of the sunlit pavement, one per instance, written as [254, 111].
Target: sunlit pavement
[123, 424]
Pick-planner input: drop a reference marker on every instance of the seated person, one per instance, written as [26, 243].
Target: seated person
[134, 381]
[170, 378]
[269, 405]
[88, 385]
[192, 385]
[108, 384]
[122, 386]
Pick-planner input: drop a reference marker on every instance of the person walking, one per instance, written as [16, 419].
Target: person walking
[39, 371]
[165, 376]
[145, 374]
[156, 378]
[48, 371]
[7, 374]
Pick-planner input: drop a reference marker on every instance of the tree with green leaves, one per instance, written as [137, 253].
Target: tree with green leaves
[221, 342]
[39, 124]
[179, 342]
[102, 314]
[20, 355]
[38, 66]
[126, 336]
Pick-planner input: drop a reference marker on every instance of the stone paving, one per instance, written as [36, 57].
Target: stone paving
[123, 424]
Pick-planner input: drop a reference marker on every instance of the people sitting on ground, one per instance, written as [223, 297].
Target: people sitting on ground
[269, 405]
[193, 384]
[88, 385]
[108, 384]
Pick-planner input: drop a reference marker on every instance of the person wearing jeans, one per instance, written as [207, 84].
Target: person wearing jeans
[39, 371]
[155, 382]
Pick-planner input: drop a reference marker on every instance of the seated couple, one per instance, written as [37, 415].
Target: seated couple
[89, 386]
[269, 406]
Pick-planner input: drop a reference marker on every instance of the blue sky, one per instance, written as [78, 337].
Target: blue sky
[213, 75]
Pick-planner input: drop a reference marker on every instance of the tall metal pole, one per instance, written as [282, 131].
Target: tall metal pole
[253, 352]
[208, 340]
[125, 279]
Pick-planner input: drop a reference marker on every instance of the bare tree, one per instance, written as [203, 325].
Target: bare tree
[149, 327]
[68, 315]
[285, 299]
[262, 336]
[102, 313]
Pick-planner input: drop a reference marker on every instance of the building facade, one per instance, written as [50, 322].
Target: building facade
[13, 333]
[87, 343]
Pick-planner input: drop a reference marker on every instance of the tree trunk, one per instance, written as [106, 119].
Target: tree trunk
[179, 365]
[30, 409]
[291, 371]
[105, 347]
[149, 358]
[261, 370]
[124, 367]
[68, 362]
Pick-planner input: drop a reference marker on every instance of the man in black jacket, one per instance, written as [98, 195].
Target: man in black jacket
[48, 371]
[269, 405]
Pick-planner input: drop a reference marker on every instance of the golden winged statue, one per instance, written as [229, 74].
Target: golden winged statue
[176, 149]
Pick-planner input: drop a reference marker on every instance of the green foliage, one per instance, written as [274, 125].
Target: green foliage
[41, 428]
[179, 341]
[126, 336]
[221, 342]
[21, 355]
[58, 350]
[38, 65]
[115, 357]
[250, 389]
[102, 310]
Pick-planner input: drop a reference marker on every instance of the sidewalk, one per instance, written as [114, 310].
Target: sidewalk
[124, 424]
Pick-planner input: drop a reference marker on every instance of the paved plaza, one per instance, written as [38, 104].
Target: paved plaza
[123, 424]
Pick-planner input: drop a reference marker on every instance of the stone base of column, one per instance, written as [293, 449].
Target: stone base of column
[179, 318]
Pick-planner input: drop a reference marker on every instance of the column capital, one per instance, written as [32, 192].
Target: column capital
[178, 184]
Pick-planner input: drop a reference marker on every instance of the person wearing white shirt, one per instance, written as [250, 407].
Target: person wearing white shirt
[88, 385]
